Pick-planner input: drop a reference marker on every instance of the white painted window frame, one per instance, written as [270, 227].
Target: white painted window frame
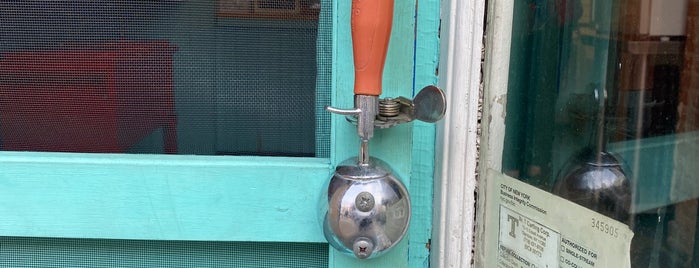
[455, 222]
[461, 42]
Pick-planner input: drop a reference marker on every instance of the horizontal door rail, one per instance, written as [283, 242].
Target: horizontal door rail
[163, 197]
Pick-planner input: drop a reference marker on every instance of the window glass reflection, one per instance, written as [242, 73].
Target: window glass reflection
[602, 110]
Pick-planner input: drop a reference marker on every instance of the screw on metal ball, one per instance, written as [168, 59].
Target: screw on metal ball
[364, 201]
[363, 248]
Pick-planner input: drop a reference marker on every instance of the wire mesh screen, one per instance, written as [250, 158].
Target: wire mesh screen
[206, 77]
[211, 77]
[95, 253]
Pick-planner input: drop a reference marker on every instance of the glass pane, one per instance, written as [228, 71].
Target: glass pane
[213, 77]
[603, 109]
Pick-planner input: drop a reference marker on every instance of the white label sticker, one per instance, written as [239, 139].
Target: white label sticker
[525, 242]
[529, 227]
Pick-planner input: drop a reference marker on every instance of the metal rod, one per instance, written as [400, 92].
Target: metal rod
[334, 110]
[364, 153]
[601, 141]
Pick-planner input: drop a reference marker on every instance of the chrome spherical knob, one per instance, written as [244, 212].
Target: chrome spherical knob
[365, 210]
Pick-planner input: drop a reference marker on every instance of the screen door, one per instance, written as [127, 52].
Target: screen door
[187, 133]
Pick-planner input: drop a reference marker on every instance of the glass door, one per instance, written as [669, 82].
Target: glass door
[191, 133]
[597, 120]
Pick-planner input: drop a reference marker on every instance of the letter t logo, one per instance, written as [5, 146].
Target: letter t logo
[515, 222]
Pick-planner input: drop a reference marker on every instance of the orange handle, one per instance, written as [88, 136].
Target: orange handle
[371, 31]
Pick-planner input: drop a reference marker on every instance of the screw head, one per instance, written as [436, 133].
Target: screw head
[363, 248]
[364, 201]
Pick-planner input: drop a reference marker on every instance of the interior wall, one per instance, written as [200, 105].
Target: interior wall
[688, 121]
[689, 89]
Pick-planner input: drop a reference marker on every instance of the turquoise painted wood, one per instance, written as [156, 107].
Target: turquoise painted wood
[391, 145]
[411, 64]
[226, 198]
[160, 197]
[423, 156]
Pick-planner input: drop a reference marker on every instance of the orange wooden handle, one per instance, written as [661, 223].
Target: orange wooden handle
[371, 31]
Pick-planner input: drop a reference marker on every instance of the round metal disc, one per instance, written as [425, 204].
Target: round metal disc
[430, 104]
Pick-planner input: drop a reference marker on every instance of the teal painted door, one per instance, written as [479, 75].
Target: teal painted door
[196, 210]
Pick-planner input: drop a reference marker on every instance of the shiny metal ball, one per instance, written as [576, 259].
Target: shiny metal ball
[366, 209]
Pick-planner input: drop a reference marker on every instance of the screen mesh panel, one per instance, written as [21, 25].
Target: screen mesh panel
[205, 77]
[324, 79]
[95, 253]
[211, 77]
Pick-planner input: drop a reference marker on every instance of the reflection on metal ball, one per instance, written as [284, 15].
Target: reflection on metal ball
[598, 182]
[366, 209]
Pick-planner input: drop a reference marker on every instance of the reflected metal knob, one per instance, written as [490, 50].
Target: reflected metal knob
[598, 182]
[366, 209]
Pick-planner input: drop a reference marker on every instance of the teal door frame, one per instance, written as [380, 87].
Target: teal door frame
[411, 64]
[233, 198]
